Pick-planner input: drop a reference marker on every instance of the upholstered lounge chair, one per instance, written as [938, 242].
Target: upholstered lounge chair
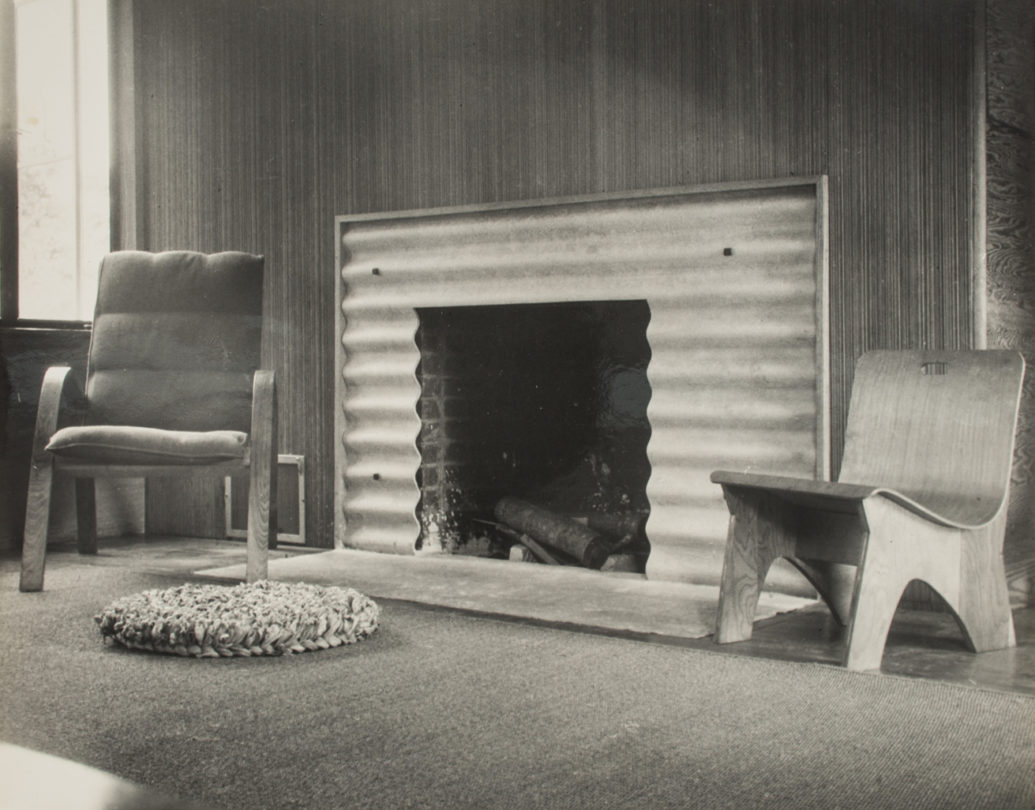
[173, 387]
[922, 495]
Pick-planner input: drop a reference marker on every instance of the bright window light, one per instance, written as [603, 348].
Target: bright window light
[63, 200]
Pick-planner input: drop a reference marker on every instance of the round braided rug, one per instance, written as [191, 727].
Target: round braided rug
[259, 618]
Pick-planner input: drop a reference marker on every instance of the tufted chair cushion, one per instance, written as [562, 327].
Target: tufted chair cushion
[176, 340]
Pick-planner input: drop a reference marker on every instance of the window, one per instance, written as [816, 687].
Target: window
[61, 86]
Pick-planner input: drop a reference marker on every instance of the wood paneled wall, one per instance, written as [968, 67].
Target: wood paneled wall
[256, 123]
[1011, 246]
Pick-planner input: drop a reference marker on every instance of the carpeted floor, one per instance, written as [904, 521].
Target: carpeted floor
[446, 710]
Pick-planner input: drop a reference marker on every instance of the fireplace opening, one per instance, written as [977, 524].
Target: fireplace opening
[541, 408]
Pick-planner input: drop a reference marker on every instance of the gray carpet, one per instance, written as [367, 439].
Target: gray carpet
[445, 710]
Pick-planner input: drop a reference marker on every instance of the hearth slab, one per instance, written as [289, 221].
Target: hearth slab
[564, 595]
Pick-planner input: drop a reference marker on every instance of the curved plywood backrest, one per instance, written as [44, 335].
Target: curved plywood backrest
[937, 426]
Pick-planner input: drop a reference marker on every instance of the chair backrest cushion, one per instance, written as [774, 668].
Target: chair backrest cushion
[937, 426]
[176, 339]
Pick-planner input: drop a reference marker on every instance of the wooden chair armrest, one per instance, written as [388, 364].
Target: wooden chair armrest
[264, 415]
[264, 387]
[791, 485]
[60, 395]
[948, 511]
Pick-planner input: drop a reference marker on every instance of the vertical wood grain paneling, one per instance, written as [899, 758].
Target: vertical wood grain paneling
[260, 122]
[1010, 26]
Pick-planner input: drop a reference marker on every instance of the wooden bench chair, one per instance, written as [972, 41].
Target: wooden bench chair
[922, 495]
[173, 387]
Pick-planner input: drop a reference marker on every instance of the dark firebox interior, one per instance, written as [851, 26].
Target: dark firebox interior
[546, 402]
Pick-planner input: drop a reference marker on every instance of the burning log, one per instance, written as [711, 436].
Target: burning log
[553, 530]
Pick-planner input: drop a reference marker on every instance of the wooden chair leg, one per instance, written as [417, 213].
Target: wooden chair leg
[41, 481]
[876, 601]
[86, 515]
[983, 612]
[262, 494]
[964, 567]
[37, 523]
[757, 536]
[901, 547]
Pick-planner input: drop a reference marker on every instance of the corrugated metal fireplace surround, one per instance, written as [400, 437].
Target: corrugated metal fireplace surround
[730, 280]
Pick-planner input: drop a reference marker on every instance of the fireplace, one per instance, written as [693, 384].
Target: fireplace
[593, 355]
[546, 402]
